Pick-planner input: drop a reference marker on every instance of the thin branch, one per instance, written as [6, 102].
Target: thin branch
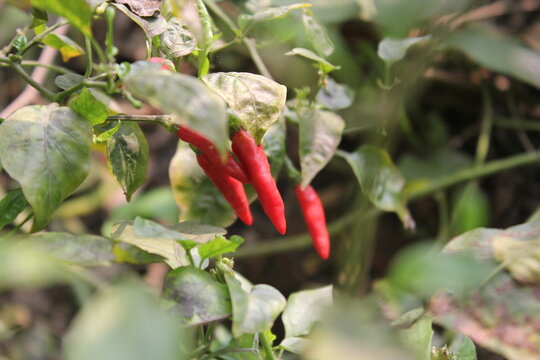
[256, 57]
[37, 39]
[472, 173]
[249, 43]
[46, 93]
[39, 74]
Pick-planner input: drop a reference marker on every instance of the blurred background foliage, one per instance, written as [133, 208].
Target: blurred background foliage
[445, 87]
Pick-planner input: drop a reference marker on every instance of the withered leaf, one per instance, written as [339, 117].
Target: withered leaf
[144, 8]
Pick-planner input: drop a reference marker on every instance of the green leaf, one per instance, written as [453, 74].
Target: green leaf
[131, 254]
[85, 250]
[198, 232]
[127, 157]
[397, 17]
[197, 297]
[187, 98]
[317, 35]
[11, 206]
[320, 134]
[207, 35]
[422, 271]
[500, 302]
[24, 266]
[274, 146]
[267, 14]
[256, 100]
[304, 309]
[380, 180]
[392, 50]
[499, 53]
[470, 209]
[255, 311]
[157, 203]
[153, 238]
[39, 17]
[418, 338]
[152, 25]
[219, 246]
[177, 41]
[20, 42]
[463, 347]
[67, 47]
[89, 107]
[164, 241]
[335, 96]
[65, 81]
[125, 322]
[109, 130]
[47, 150]
[199, 200]
[78, 12]
[324, 65]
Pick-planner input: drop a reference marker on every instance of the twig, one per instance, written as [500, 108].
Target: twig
[249, 43]
[37, 39]
[39, 74]
[46, 93]
[475, 172]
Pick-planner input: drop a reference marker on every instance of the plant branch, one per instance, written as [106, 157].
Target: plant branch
[266, 346]
[37, 39]
[249, 43]
[46, 93]
[489, 168]
[256, 57]
[211, 4]
[167, 121]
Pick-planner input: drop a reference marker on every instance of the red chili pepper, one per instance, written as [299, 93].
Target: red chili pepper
[158, 60]
[232, 189]
[313, 211]
[231, 167]
[255, 162]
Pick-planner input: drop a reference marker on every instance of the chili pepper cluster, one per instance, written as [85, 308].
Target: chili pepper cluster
[253, 167]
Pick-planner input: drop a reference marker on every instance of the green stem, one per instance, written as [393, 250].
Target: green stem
[482, 146]
[17, 228]
[85, 83]
[266, 346]
[476, 172]
[37, 39]
[46, 93]
[249, 43]
[212, 5]
[256, 57]
[31, 63]
[518, 124]
[98, 50]
[166, 121]
[89, 56]
[226, 45]
[444, 224]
